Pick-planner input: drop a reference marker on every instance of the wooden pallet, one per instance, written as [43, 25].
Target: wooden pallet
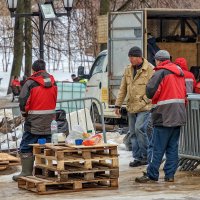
[43, 186]
[7, 160]
[47, 155]
[74, 172]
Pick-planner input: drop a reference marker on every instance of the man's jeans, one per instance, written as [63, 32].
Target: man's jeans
[165, 140]
[29, 138]
[139, 139]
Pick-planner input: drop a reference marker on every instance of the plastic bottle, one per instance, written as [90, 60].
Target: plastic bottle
[54, 132]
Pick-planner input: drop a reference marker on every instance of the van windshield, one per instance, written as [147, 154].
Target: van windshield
[98, 65]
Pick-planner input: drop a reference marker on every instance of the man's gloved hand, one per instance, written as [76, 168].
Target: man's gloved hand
[117, 111]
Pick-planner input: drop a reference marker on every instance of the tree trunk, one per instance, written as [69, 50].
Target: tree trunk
[104, 9]
[18, 41]
[28, 39]
[69, 45]
[18, 44]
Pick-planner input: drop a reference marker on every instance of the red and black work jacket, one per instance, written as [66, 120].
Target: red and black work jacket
[167, 90]
[37, 102]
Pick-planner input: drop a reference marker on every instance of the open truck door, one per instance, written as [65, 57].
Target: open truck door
[126, 29]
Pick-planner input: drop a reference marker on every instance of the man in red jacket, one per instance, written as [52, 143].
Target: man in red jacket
[37, 102]
[189, 77]
[15, 85]
[167, 90]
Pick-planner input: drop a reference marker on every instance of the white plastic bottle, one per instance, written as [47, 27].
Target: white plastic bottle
[54, 132]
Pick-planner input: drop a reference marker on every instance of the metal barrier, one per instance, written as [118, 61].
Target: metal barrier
[11, 121]
[189, 146]
[11, 128]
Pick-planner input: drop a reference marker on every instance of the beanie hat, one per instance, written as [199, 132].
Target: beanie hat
[162, 55]
[135, 52]
[38, 65]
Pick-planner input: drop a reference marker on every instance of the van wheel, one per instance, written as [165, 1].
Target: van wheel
[95, 116]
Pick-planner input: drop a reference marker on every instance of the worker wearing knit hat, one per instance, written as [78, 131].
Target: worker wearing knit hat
[135, 52]
[38, 65]
[133, 86]
[162, 55]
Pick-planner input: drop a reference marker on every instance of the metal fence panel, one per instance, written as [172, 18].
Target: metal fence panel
[11, 128]
[190, 134]
[11, 121]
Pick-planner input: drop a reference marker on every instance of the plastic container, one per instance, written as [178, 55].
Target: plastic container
[78, 141]
[54, 132]
[42, 141]
[61, 137]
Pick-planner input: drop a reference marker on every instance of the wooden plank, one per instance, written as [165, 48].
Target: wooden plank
[114, 183]
[74, 148]
[7, 157]
[36, 150]
[59, 155]
[115, 163]
[39, 156]
[50, 187]
[5, 162]
[60, 165]
[39, 168]
[77, 185]
[73, 159]
[91, 147]
[102, 29]
[88, 164]
[31, 179]
[89, 176]
[86, 154]
[180, 51]
[48, 152]
[41, 187]
[3, 167]
[114, 152]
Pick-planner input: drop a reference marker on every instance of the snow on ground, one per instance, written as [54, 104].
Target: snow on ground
[185, 187]
[4, 83]
[59, 76]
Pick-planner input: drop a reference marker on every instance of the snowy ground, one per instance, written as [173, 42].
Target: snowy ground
[185, 187]
[59, 76]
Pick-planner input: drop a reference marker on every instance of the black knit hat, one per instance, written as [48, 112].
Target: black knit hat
[135, 52]
[38, 65]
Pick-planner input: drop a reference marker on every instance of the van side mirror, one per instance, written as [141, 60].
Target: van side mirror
[81, 71]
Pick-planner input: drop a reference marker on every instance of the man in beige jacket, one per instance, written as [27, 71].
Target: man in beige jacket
[133, 86]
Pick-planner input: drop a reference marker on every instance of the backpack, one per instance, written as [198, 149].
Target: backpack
[62, 123]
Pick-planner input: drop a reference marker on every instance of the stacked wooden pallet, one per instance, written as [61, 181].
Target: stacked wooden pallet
[7, 160]
[64, 168]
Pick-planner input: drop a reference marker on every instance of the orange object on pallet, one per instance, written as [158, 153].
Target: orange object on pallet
[96, 139]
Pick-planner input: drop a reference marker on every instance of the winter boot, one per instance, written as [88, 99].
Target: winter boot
[27, 166]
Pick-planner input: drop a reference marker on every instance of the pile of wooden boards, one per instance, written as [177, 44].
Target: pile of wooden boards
[70, 168]
[7, 160]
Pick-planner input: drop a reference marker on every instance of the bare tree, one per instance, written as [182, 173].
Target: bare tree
[18, 41]
[28, 39]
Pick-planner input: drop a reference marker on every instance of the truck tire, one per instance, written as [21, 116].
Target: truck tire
[95, 116]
